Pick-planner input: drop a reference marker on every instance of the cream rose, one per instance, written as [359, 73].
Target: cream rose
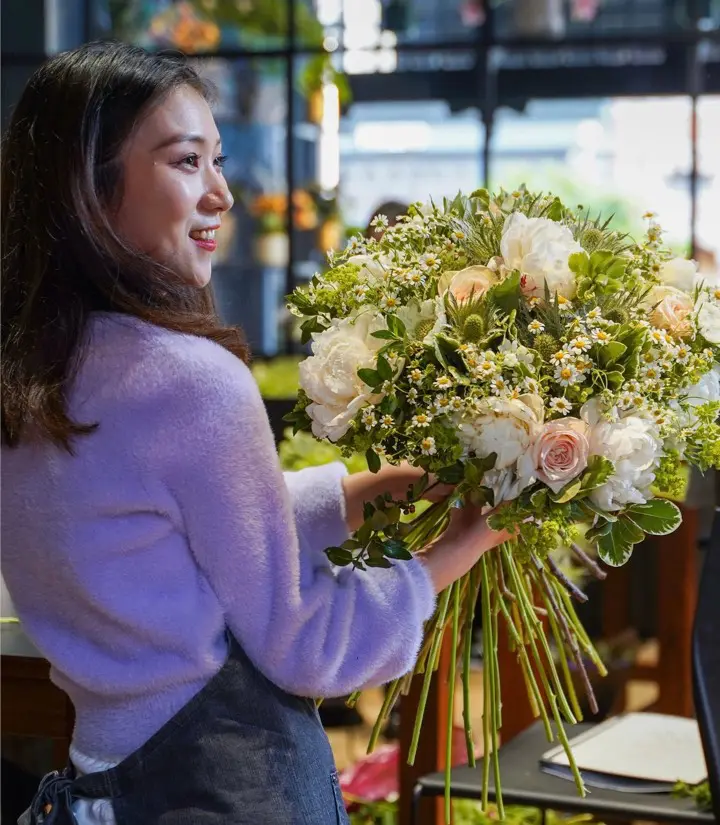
[329, 377]
[671, 310]
[679, 273]
[539, 248]
[472, 281]
[559, 454]
[505, 426]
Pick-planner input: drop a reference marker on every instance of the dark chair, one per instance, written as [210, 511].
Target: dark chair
[525, 784]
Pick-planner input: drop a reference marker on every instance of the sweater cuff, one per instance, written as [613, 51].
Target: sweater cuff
[318, 502]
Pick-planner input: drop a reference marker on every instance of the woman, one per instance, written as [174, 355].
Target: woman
[156, 555]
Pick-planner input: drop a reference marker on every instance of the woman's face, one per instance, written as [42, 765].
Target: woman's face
[174, 193]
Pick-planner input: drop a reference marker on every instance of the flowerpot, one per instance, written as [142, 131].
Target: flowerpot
[539, 18]
[272, 249]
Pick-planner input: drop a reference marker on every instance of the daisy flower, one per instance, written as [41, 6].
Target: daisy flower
[421, 420]
[561, 405]
[443, 382]
[427, 446]
[536, 327]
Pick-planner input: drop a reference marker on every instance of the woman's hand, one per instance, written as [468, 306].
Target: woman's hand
[365, 486]
[457, 550]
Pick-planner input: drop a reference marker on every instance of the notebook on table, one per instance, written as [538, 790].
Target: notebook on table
[635, 753]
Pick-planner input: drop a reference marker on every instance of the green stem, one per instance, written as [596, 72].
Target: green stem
[471, 598]
[487, 684]
[391, 695]
[490, 661]
[434, 657]
[451, 698]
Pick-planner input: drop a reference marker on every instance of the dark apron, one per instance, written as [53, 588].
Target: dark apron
[242, 751]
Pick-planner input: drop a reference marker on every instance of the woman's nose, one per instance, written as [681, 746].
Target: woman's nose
[218, 196]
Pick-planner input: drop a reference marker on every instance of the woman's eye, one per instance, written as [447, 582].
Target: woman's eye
[220, 161]
[190, 160]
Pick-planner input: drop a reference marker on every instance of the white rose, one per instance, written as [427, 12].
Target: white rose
[372, 269]
[506, 486]
[540, 248]
[679, 273]
[329, 376]
[503, 426]
[634, 447]
[707, 388]
[473, 281]
[708, 321]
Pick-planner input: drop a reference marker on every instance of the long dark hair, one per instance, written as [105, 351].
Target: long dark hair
[62, 261]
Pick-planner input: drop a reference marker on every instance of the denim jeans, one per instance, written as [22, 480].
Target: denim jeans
[242, 751]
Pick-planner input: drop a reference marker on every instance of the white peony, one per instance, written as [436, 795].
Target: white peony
[708, 321]
[634, 447]
[329, 377]
[505, 426]
[679, 273]
[707, 388]
[540, 248]
[372, 269]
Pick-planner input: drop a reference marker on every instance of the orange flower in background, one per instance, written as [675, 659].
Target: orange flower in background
[304, 211]
[182, 27]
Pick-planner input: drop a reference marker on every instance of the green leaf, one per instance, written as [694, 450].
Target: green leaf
[602, 528]
[506, 295]
[384, 370]
[379, 520]
[555, 212]
[351, 544]
[612, 352]
[657, 517]
[368, 509]
[373, 460]
[451, 475]
[615, 380]
[370, 377]
[418, 488]
[599, 260]
[384, 334]
[539, 498]
[363, 533]
[485, 464]
[338, 556]
[397, 549]
[579, 263]
[480, 496]
[616, 546]
[378, 561]
[599, 469]
[472, 475]
[593, 510]
[568, 492]
[396, 326]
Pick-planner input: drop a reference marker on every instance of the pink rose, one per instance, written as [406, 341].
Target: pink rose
[473, 281]
[672, 310]
[560, 452]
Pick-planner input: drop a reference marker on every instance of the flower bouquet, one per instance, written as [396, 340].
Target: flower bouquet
[533, 357]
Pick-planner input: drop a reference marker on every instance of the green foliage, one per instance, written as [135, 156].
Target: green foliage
[303, 450]
[699, 793]
[277, 378]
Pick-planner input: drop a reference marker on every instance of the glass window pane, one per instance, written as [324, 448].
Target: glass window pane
[707, 243]
[604, 154]
[194, 26]
[251, 261]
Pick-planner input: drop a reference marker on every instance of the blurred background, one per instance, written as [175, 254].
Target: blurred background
[328, 108]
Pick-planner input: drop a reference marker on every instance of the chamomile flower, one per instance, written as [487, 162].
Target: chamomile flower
[682, 354]
[561, 405]
[659, 336]
[531, 385]
[430, 260]
[456, 403]
[387, 421]
[443, 382]
[360, 291]
[580, 344]
[498, 385]
[421, 420]
[427, 446]
[536, 327]
[458, 235]
[560, 357]
[416, 376]
[595, 315]
[415, 277]
[441, 403]
[379, 222]
[626, 401]
[369, 418]
[354, 244]
[390, 301]
[412, 395]
[564, 304]
[485, 369]
[567, 375]
[533, 301]
[600, 336]
[651, 372]
[632, 386]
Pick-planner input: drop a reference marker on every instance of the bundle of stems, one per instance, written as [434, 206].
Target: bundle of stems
[534, 599]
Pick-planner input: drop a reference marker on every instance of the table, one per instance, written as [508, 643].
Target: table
[523, 783]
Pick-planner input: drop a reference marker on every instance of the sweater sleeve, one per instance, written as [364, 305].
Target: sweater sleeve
[318, 504]
[312, 629]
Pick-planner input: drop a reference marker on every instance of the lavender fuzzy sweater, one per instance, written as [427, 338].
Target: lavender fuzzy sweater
[173, 520]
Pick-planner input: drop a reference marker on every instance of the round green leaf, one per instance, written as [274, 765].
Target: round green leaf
[657, 517]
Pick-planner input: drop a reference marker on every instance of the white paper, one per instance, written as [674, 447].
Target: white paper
[647, 746]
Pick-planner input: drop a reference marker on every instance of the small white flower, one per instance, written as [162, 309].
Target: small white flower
[416, 376]
[580, 344]
[599, 336]
[415, 277]
[567, 375]
[389, 302]
[378, 449]
[427, 446]
[595, 314]
[421, 420]
[531, 385]
[386, 388]
[368, 418]
[660, 336]
[498, 385]
[536, 327]
[355, 244]
[380, 222]
[651, 372]
[533, 301]
[429, 261]
[456, 403]
[560, 358]
[626, 401]
[442, 403]
[485, 369]
[633, 386]
[387, 421]
[561, 405]
[564, 304]
[412, 395]
[443, 382]
[360, 291]
[457, 235]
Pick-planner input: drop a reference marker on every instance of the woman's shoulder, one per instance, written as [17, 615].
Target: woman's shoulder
[133, 357]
